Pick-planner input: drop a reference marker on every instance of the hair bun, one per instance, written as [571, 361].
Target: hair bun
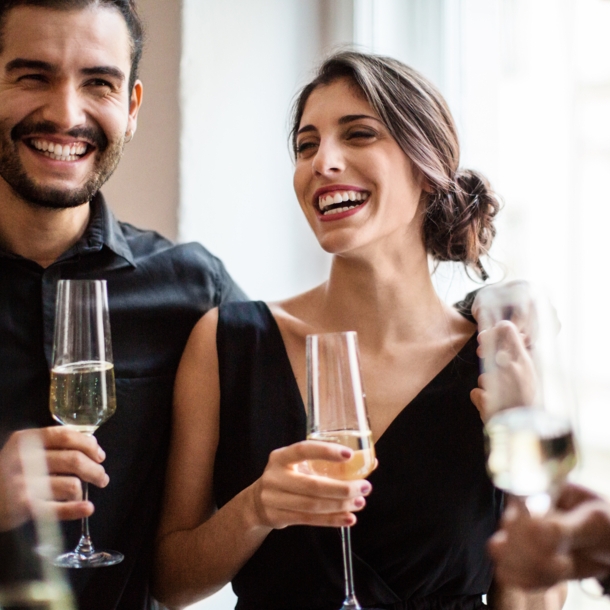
[459, 223]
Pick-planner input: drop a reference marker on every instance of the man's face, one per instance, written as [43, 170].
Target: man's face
[65, 107]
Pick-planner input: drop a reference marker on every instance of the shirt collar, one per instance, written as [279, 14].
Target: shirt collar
[103, 230]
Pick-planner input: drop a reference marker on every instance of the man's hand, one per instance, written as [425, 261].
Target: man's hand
[572, 542]
[70, 457]
[510, 378]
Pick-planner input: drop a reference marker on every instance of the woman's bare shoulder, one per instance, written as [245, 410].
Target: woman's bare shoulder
[460, 328]
[297, 315]
[203, 335]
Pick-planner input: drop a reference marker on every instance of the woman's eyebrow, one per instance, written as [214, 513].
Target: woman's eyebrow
[348, 118]
[305, 129]
[356, 117]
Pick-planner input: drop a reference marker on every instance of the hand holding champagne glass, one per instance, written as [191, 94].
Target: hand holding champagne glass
[83, 393]
[336, 413]
[529, 428]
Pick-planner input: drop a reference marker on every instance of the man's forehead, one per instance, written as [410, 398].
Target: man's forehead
[95, 34]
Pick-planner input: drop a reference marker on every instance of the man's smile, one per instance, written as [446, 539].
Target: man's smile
[70, 151]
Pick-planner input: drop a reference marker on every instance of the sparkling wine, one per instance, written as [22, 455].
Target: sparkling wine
[83, 394]
[358, 466]
[530, 450]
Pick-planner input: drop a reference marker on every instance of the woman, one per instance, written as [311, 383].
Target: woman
[376, 175]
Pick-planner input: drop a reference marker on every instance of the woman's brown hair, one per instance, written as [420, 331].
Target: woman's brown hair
[459, 212]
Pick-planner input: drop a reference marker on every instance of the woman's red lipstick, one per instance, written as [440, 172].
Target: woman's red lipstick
[327, 207]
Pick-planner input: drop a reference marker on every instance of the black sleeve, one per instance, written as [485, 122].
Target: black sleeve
[228, 289]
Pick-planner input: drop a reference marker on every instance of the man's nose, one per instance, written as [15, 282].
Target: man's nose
[64, 107]
[329, 158]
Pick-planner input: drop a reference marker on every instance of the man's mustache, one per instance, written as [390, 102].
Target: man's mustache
[94, 135]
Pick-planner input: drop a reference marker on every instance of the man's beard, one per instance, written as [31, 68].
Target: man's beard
[107, 156]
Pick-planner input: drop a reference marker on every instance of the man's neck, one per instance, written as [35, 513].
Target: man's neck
[39, 234]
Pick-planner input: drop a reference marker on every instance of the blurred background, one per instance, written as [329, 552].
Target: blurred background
[528, 82]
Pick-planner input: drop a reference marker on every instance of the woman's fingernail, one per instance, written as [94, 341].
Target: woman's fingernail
[101, 454]
[359, 502]
[366, 489]
[106, 480]
[346, 453]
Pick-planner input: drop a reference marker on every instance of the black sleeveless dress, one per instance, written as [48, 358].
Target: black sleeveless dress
[420, 542]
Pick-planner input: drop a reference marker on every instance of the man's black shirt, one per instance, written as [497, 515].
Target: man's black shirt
[157, 291]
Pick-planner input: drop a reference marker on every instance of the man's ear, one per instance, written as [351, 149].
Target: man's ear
[135, 101]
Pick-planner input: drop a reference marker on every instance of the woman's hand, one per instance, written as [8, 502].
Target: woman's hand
[288, 493]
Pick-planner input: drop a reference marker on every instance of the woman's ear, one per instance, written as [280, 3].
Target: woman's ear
[425, 184]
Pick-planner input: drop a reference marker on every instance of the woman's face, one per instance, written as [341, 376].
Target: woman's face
[354, 183]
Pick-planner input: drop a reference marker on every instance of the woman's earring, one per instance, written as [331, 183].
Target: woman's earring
[128, 136]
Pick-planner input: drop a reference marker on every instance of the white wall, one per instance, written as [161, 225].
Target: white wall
[144, 190]
[242, 62]
[536, 119]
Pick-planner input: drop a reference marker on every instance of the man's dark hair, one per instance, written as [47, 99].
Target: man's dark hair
[127, 8]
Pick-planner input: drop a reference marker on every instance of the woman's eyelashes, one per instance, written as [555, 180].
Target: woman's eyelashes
[361, 134]
[305, 146]
[353, 136]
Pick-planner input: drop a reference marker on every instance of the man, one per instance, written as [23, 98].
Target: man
[69, 101]
[571, 542]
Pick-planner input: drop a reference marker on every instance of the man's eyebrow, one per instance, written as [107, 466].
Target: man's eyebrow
[37, 64]
[29, 64]
[104, 71]
[348, 118]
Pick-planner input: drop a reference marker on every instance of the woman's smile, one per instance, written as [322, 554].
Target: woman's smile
[353, 181]
[338, 201]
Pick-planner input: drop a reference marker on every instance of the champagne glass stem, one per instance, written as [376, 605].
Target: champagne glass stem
[85, 545]
[350, 602]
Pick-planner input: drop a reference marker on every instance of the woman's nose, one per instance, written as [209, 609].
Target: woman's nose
[64, 107]
[328, 159]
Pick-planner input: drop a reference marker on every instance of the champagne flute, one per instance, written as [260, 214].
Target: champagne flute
[532, 447]
[36, 582]
[336, 413]
[82, 395]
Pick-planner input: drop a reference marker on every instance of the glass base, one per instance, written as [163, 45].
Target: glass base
[351, 603]
[97, 559]
[538, 505]
[591, 587]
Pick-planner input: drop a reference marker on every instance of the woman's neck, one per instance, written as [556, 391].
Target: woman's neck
[386, 296]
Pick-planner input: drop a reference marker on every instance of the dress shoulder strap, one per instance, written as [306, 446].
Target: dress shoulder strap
[260, 405]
